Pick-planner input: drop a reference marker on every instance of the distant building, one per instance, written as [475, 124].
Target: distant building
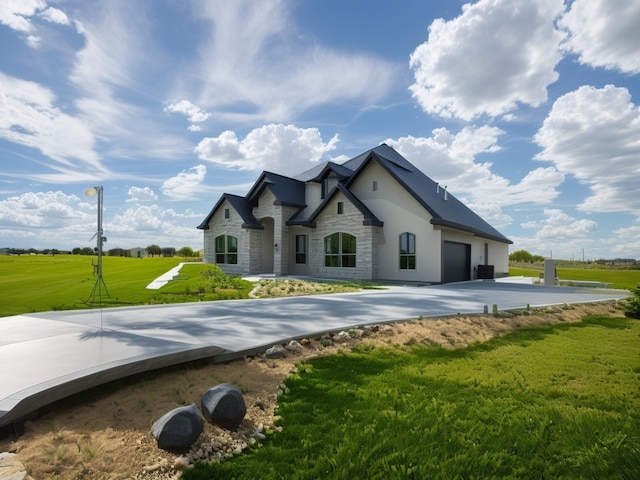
[138, 252]
[374, 217]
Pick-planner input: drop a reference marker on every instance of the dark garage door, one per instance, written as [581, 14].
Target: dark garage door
[456, 262]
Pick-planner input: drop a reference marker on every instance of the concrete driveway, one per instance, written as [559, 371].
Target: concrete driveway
[51, 355]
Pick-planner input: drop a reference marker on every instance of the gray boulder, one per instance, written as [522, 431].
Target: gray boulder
[223, 405]
[277, 351]
[294, 346]
[178, 429]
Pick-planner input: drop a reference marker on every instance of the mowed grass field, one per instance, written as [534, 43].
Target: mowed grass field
[36, 283]
[621, 279]
[544, 402]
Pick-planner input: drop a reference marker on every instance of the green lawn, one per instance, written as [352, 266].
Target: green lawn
[623, 279]
[41, 283]
[36, 283]
[547, 402]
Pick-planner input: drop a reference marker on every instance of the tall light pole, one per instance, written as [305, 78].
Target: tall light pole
[100, 239]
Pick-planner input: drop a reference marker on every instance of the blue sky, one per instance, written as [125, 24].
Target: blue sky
[527, 111]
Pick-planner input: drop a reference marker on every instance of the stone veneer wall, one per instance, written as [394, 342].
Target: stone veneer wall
[218, 225]
[351, 222]
[250, 241]
[254, 250]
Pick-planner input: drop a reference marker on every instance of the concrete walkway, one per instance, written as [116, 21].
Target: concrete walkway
[51, 355]
[165, 278]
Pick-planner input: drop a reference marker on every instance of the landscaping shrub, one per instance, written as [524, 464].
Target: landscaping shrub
[631, 306]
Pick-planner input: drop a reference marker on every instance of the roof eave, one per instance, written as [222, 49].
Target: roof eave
[464, 228]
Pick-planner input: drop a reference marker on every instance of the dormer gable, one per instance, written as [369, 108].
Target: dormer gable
[287, 191]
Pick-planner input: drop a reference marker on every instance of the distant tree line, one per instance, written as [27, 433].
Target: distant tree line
[83, 251]
[153, 250]
[525, 257]
[34, 251]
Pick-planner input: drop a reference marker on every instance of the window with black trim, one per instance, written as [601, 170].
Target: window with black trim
[340, 208]
[375, 185]
[301, 249]
[226, 213]
[226, 249]
[407, 251]
[340, 250]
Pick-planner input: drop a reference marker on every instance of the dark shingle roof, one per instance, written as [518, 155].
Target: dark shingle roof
[288, 191]
[318, 172]
[291, 192]
[450, 212]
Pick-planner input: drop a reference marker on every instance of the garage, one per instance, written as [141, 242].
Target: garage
[456, 262]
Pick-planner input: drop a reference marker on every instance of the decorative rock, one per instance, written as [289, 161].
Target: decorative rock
[294, 346]
[277, 351]
[181, 462]
[223, 405]
[178, 429]
[356, 333]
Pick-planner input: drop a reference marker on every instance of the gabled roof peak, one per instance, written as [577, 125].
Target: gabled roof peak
[317, 173]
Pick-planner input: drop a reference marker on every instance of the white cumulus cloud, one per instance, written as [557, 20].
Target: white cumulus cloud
[278, 148]
[605, 33]
[19, 15]
[185, 185]
[194, 113]
[450, 159]
[139, 195]
[495, 55]
[562, 235]
[55, 15]
[46, 211]
[16, 13]
[594, 135]
[143, 225]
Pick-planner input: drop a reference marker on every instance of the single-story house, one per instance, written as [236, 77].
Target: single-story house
[374, 217]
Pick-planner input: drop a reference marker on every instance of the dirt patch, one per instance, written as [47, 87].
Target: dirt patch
[104, 433]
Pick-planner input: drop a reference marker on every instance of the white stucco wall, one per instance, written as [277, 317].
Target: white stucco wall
[312, 193]
[400, 212]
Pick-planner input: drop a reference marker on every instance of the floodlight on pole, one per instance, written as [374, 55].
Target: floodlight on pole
[100, 239]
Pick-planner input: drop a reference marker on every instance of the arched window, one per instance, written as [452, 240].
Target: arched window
[226, 249]
[340, 250]
[407, 251]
